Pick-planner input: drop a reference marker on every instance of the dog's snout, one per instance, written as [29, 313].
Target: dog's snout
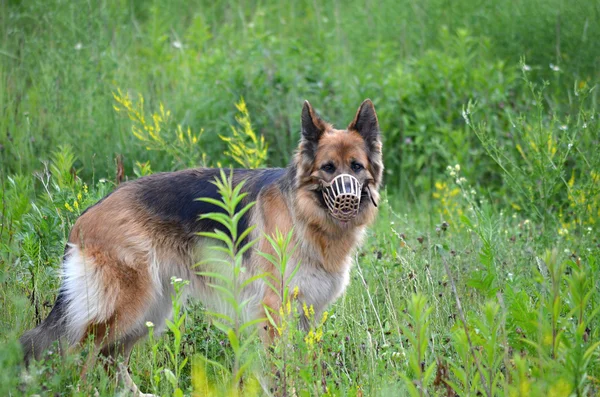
[343, 184]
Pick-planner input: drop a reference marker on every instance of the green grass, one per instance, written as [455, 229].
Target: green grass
[513, 229]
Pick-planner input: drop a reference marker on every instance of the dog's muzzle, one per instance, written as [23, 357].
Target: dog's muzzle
[342, 196]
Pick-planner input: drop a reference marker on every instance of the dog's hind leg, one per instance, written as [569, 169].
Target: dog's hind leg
[109, 295]
[117, 353]
[123, 375]
[122, 349]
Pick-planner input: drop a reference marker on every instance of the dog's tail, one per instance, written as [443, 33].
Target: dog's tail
[34, 342]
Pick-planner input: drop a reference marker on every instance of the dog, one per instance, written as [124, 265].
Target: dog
[123, 251]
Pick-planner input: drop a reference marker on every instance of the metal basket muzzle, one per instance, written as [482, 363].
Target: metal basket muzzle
[342, 196]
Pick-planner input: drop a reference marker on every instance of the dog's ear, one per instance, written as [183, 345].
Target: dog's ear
[312, 125]
[366, 124]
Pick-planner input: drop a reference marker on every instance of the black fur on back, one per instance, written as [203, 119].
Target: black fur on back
[172, 197]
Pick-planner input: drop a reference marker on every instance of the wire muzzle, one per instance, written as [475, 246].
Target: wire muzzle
[342, 196]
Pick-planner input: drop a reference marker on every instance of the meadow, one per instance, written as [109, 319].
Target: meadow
[481, 276]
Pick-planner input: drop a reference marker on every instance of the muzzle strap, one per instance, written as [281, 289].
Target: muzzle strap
[368, 189]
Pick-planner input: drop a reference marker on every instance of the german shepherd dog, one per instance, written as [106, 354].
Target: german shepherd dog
[123, 251]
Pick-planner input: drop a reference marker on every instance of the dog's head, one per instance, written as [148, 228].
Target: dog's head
[339, 171]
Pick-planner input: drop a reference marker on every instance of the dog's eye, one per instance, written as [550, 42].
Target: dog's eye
[329, 168]
[357, 167]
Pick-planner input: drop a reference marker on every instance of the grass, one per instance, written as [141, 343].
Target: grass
[480, 276]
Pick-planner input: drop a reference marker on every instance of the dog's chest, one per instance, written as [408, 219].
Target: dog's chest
[324, 271]
[320, 285]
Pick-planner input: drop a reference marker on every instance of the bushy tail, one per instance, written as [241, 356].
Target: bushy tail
[34, 342]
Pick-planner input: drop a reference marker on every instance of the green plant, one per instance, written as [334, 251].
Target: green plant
[580, 350]
[142, 169]
[176, 328]
[154, 369]
[285, 318]
[245, 148]
[543, 151]
[233, 244]
[417, 332]
[156, 132]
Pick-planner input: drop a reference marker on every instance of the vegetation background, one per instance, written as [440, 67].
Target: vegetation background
[481, 276]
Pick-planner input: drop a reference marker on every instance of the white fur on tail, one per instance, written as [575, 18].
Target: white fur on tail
[88, 299]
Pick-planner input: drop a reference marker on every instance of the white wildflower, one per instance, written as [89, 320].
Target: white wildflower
[554, 67]
[78, 46]
[563, 127]
[149, 324]
[465, 116]
[177, 44]
[526, 68]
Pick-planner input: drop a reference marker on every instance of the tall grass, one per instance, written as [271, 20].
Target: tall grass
[60, 63]
[480, 276]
